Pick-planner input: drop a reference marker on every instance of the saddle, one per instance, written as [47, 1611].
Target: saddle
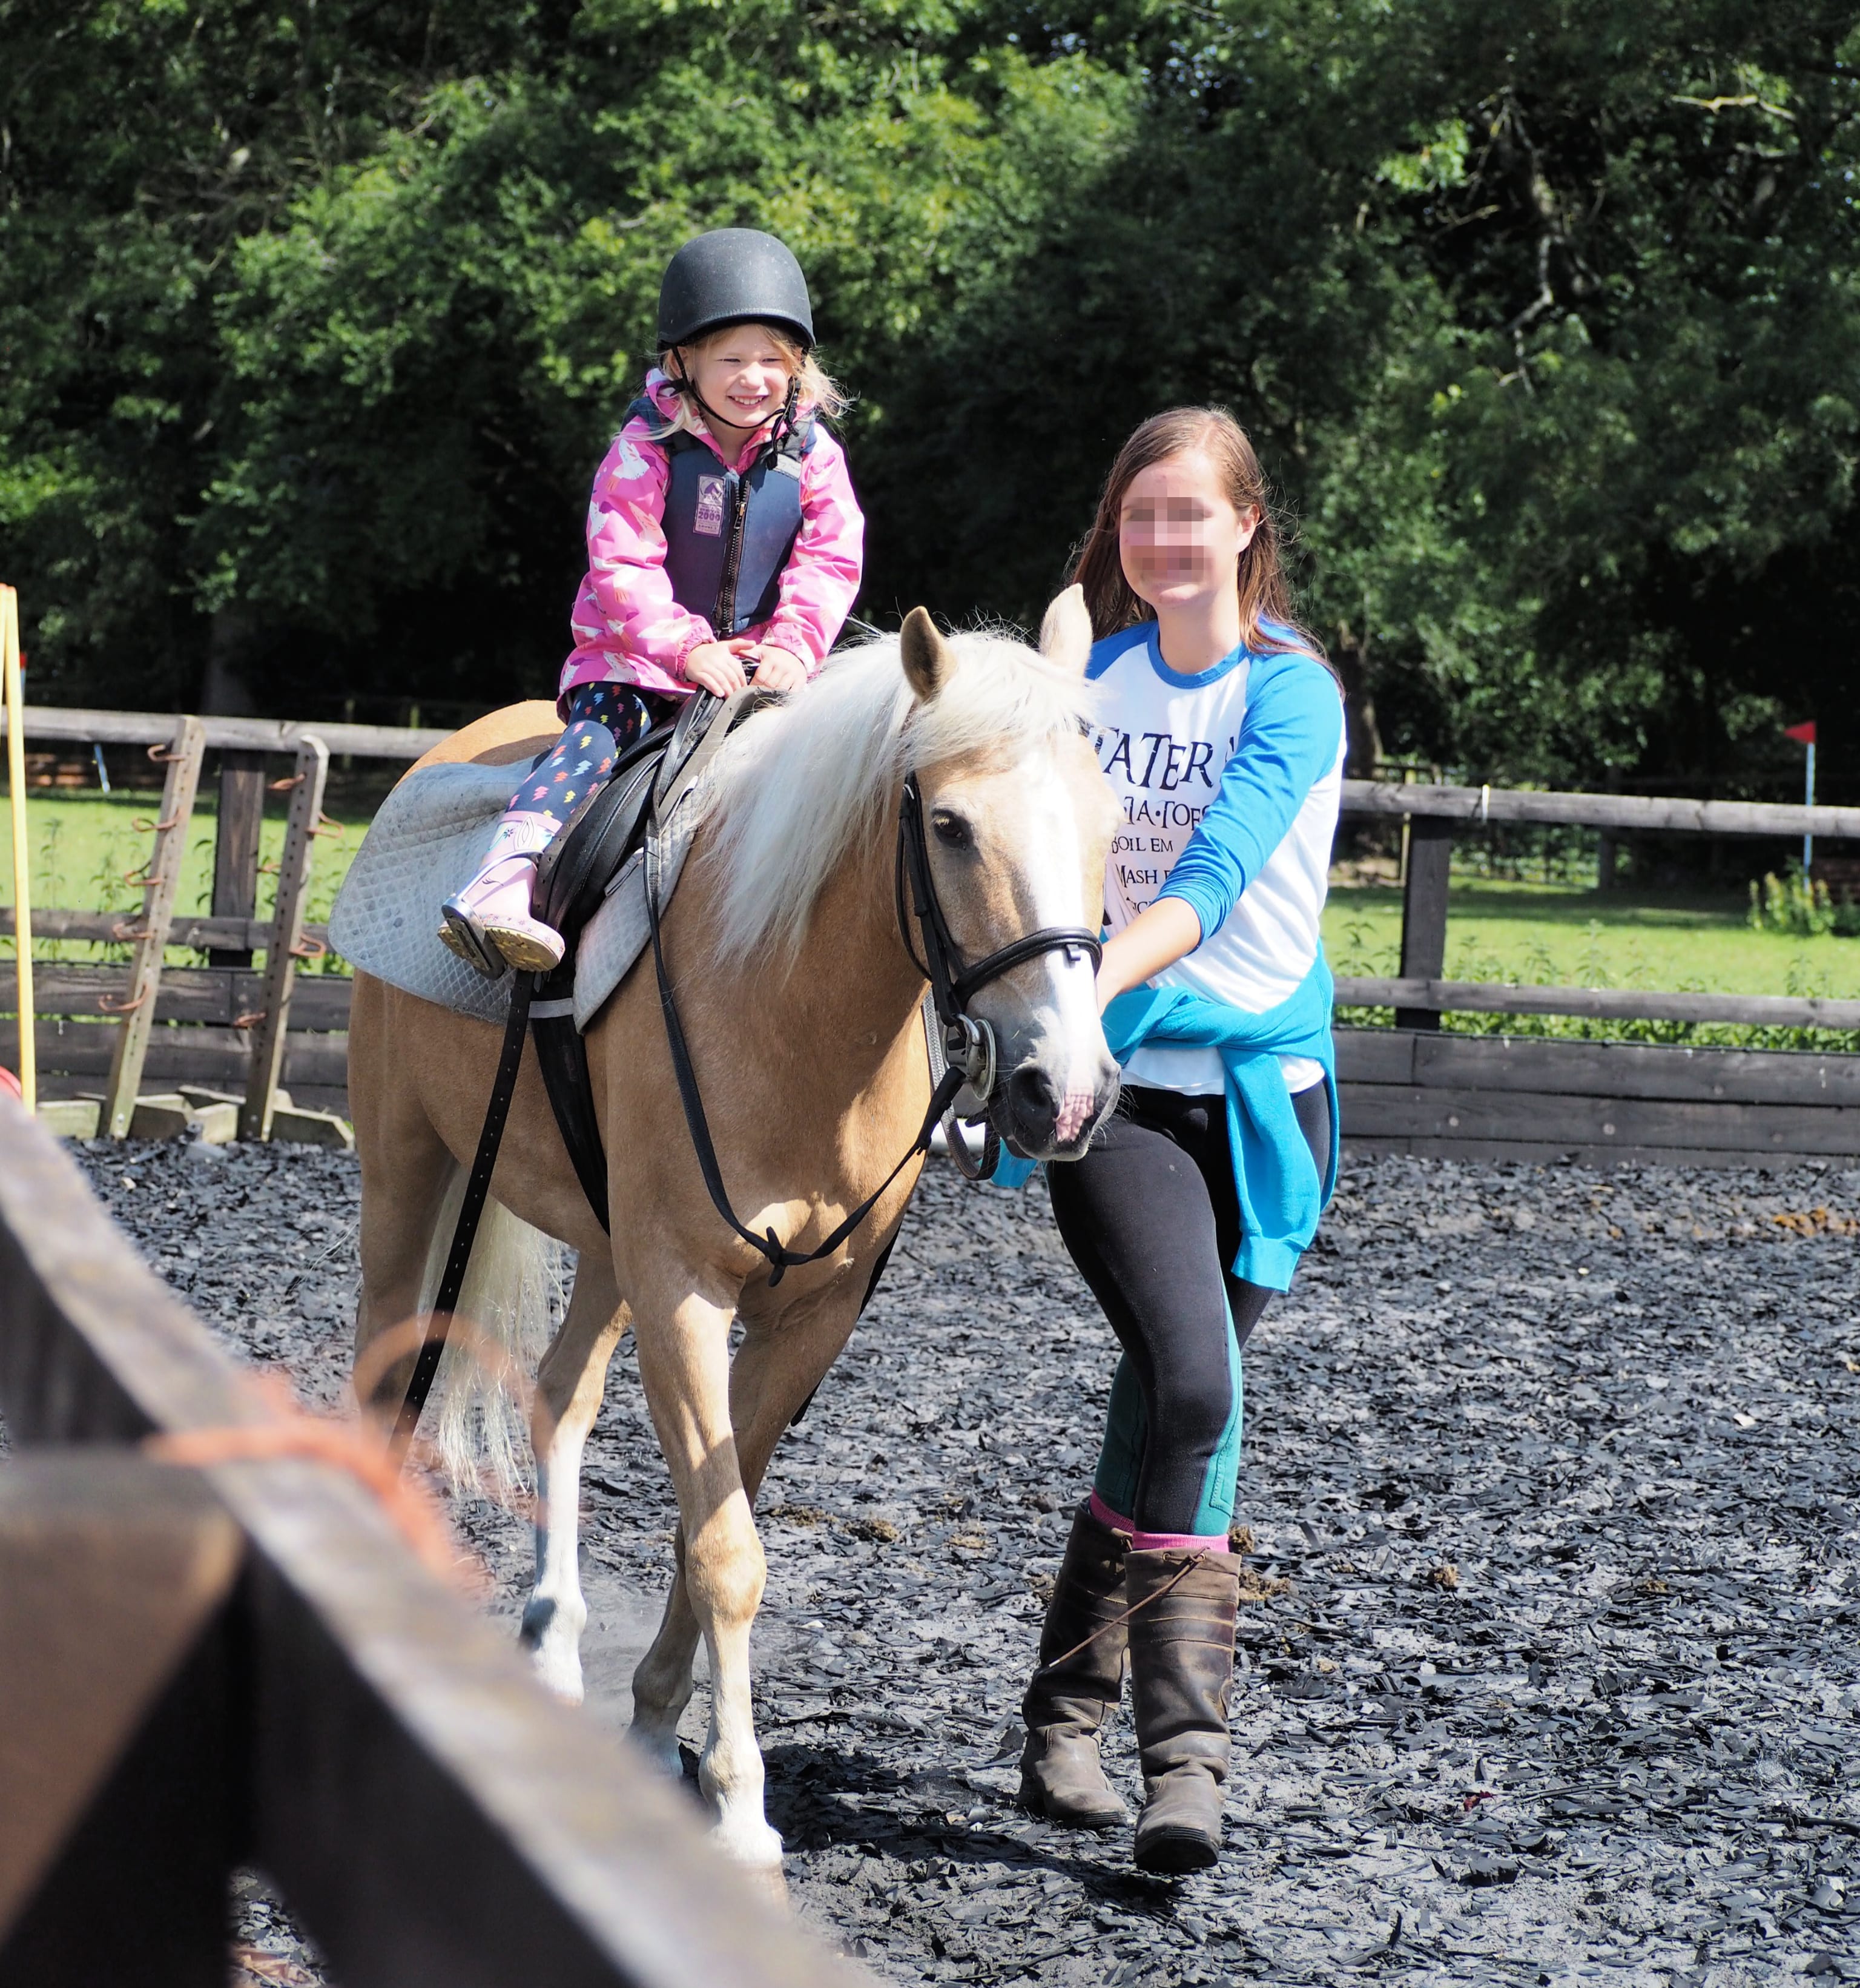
[574, 877]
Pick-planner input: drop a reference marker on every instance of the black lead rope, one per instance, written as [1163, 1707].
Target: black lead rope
[780, 1259]
[471, 1211]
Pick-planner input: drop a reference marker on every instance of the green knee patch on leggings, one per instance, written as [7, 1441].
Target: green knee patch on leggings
[1128, 1434]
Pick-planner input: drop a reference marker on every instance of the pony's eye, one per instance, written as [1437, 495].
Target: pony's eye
[951, 830]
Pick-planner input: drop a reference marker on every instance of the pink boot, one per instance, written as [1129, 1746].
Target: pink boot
[489, 923]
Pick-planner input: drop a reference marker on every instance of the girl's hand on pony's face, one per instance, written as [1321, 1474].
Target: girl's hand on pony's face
[1179, 536]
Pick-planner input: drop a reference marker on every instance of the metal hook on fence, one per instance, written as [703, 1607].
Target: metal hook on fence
[161, 755]
[128, 934]
[309, 948]
[111, 1005]
[325, 826]
[250, 1019]
[143, 826]
[284, 785]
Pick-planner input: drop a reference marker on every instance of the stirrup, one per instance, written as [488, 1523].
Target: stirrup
[460, 934]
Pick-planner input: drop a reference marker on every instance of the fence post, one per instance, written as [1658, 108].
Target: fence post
[235, 848]
[1430, 851]
[163, 879]
[286, 935]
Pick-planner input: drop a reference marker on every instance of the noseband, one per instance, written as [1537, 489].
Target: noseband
[968, 1045]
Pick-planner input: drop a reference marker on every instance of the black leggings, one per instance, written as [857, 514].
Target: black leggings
[1151, 1220]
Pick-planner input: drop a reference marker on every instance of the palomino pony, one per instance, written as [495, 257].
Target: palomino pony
[799, 998]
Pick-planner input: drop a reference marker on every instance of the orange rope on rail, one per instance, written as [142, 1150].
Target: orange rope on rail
[290, 1433]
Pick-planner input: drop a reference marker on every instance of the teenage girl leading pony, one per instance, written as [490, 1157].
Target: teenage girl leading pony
[1221, 733]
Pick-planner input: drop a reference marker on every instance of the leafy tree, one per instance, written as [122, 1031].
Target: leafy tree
[314, 324]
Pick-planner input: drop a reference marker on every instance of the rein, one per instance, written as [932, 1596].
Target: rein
[969, 1044]
[969, 1049]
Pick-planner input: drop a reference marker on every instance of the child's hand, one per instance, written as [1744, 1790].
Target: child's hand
[777, 668]
[716, 666]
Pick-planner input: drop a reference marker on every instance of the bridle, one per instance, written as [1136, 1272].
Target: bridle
[969, 1045]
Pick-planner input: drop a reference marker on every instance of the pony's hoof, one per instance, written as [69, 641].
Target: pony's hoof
[559, 1672]
[751, 1843]
[768, 1881]
[659, 1748]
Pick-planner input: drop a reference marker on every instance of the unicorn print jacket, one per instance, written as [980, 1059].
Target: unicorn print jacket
[627, 625]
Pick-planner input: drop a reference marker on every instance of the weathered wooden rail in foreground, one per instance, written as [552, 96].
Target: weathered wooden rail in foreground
[245, 1664]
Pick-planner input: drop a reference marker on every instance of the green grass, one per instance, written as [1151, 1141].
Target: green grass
[83, 845]
[1671, 941]
[1551, 937]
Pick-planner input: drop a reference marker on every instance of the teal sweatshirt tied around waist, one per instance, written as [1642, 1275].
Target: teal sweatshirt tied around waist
[1280, 1195]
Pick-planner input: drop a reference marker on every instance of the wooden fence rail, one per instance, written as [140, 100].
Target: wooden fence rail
[1436, 814]
[212, 1051]
[249, 1666]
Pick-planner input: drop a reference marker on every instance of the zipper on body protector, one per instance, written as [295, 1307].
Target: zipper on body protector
[729, 536]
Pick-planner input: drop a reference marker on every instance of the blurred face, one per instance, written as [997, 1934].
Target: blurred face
[1178, 535]
[742, 372]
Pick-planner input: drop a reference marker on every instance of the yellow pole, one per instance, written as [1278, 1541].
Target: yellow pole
[23, 854]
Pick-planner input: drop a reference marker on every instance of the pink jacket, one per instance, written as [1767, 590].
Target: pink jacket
[628, 628]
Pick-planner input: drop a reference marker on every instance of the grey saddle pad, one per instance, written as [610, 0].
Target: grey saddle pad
[429, 840]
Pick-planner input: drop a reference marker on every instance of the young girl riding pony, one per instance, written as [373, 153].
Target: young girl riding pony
[722, 531]
[1221, 734]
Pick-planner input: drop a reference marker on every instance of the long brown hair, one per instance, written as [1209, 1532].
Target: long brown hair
[1098, 566]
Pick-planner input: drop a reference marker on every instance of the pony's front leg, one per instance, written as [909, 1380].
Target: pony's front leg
[775, 1371]
[684, 1363]
[569, 1385]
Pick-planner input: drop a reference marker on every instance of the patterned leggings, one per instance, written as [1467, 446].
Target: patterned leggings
[603, 720]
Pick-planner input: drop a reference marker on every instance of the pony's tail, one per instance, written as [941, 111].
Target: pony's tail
[514, 1297]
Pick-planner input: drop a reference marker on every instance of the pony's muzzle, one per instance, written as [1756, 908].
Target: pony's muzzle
[1054, 1120]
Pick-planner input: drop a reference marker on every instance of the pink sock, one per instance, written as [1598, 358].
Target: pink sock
[1156, 1542]
[1105, 1515]
[1179, 1542]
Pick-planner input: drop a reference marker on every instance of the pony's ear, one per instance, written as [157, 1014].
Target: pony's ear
[928, 658]
[1065, 635]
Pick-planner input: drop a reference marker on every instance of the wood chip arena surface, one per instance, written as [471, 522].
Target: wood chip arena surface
[1552, 1672]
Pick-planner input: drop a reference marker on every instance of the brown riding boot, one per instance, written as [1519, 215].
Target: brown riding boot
[1181, 1673]
[1074, 1690]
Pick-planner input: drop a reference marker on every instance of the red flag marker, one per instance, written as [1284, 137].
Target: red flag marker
[1803, 734]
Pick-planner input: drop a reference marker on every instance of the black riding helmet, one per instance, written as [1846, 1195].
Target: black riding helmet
[733, 275]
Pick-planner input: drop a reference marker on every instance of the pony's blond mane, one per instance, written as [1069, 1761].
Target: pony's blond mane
[808, 780]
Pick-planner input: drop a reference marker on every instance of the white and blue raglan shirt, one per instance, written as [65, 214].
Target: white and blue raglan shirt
[1230, 783]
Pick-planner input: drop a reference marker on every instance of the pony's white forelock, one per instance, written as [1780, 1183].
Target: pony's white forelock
[805, 782]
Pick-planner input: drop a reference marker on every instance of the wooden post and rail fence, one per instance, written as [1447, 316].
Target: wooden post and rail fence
[250, 1036]
[244, 1664]
[1413, 1087]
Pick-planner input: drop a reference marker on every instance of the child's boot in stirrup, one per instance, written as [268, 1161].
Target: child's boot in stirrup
[1074, 1689]
[489, 923]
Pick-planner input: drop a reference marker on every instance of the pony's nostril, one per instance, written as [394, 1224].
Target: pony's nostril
[1031, 1091]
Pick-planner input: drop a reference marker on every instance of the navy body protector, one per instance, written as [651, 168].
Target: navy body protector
[728, 536]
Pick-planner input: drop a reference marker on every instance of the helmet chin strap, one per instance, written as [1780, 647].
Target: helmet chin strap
[783, 425]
